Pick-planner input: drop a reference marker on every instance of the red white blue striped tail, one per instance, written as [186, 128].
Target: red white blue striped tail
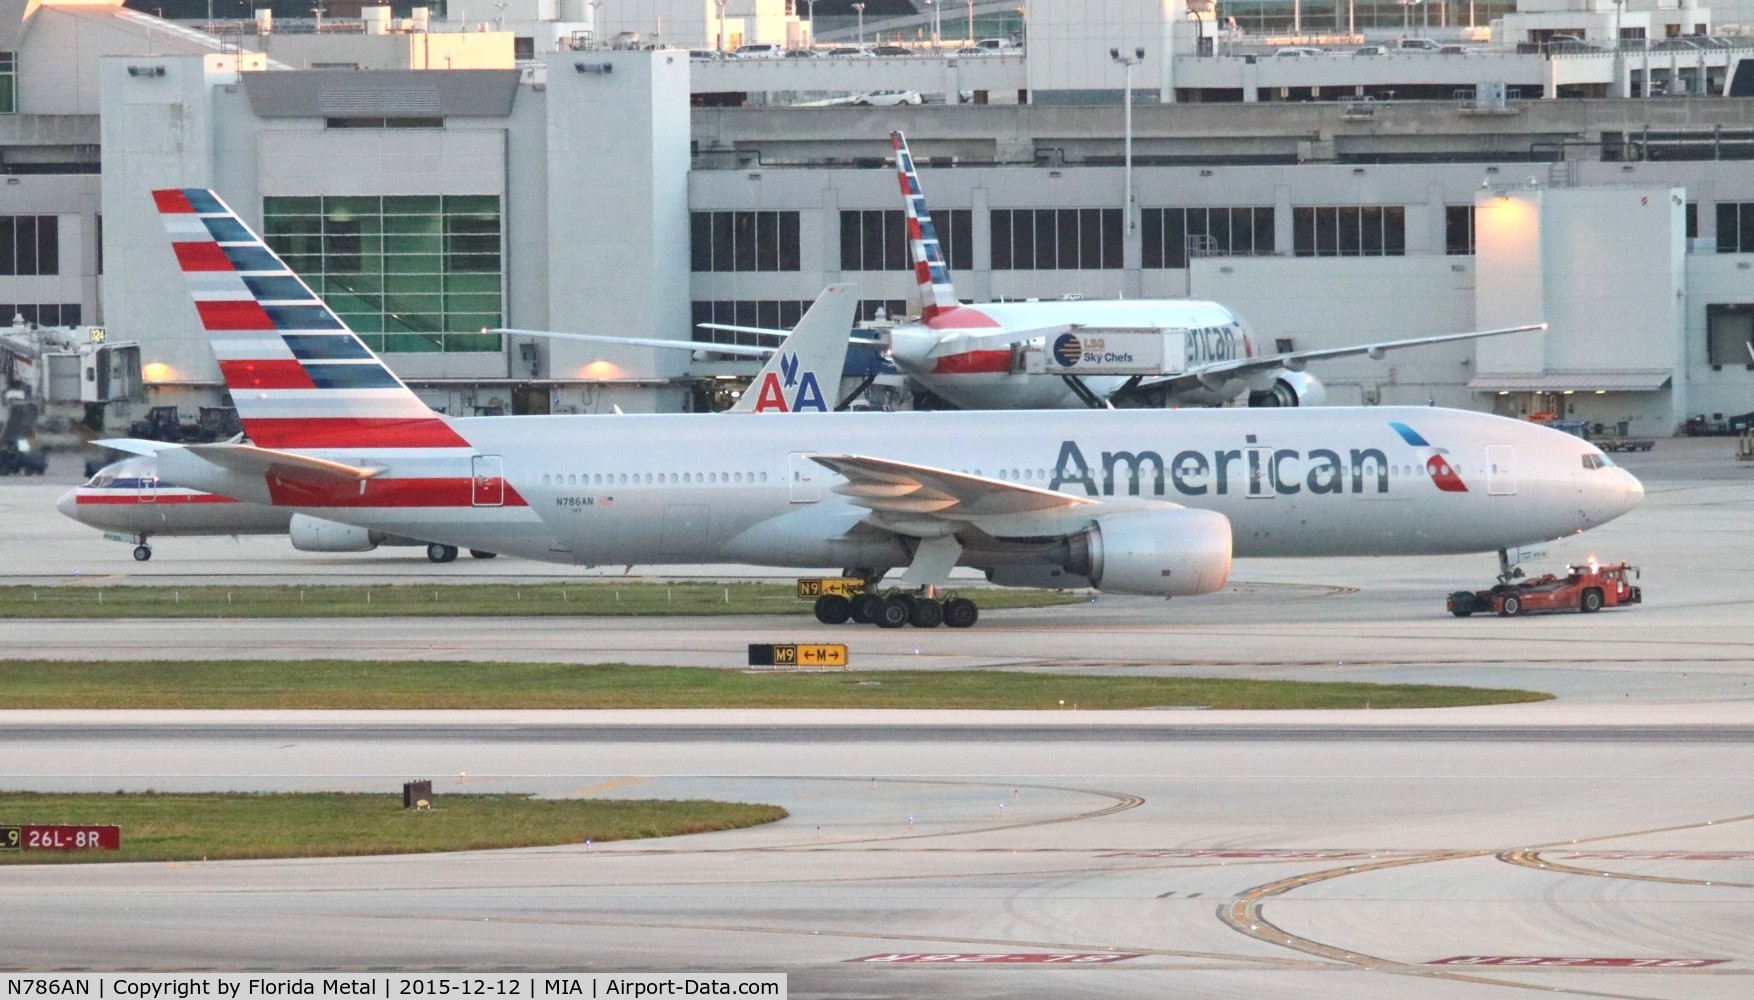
[933, 291]
[298, 376]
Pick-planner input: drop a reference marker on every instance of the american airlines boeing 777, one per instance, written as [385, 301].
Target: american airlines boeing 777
[1131, 501]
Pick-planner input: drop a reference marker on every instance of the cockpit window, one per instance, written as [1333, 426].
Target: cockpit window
[1597, 461]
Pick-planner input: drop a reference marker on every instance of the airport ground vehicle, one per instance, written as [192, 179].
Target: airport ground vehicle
[1584, 588]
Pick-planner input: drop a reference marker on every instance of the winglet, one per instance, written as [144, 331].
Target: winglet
[932, 276]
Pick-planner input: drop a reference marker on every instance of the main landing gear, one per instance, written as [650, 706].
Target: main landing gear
[895, 609]
[142, 551]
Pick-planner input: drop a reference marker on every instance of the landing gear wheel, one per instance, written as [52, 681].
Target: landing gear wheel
[833, 609]
[892, 613]
[866, 607]
[481, 554]
[960, 612]
[927, 613]
[1592, 600]
[441, 553]
[142, 553]
[1510, 606]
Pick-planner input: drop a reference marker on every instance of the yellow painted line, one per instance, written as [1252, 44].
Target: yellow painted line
[608, 786]
[1533, 859]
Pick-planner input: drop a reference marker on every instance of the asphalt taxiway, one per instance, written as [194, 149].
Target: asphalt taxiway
[1601, 844]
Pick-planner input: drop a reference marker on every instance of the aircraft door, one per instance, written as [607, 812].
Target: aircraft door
[801, 472]
[1500, 470]
[148, 490]
[487, 481]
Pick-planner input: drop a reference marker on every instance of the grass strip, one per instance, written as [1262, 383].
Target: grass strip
[370, 684]
[442, 600]
[181, 827]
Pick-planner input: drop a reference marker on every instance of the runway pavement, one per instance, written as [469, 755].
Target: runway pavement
[1274, 858]
[1159, 853]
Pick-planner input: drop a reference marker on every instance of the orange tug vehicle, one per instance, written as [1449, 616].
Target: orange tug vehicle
[1582, 588]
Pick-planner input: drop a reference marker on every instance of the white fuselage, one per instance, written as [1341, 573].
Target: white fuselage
[691, 489]
[991, 376]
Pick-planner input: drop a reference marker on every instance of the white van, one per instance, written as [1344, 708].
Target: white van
[994, 44]
[760, 50]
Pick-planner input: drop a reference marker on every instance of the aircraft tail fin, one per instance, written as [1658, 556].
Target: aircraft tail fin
[299, 377]
[933, 291]
[804, 374]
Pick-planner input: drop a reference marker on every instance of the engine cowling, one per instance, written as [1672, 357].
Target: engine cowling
[313, 534]
[1178, 552]
[1291, 389]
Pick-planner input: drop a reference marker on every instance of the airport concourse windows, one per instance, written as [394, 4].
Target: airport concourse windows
[41, 313]
[1458, 230]
[1349, 231]
[1735, 227]
[29, 245]
[876, 240]
[1729, 334]
[777, 315]
[1065, 239]
[409, 273]
[1169, 236]
[8, 83]
[743, 241]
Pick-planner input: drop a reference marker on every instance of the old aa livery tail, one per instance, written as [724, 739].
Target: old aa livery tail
[804, 374]
[298, 376]
[932, 275]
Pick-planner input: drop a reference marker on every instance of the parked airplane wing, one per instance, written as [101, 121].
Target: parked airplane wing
[1295, 360]
[903, 488]
[249, 459]
[744, 350]
[960, 342]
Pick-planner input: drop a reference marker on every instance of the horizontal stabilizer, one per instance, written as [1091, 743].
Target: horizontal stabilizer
[135, 446]
[251, 460]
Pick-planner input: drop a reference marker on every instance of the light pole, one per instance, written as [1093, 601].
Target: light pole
[971, 22]
[721, 25]
[1127, 64]
[935, 11]
[812, 4]
[499, 18]
[860, 8]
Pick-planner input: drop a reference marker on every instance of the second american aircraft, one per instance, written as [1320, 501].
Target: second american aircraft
[1126, 501]
[1026, 355]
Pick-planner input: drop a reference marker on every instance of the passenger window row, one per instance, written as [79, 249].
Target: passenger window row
[648, 478]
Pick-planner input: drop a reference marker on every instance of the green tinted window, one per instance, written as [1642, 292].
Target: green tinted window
[409, 273]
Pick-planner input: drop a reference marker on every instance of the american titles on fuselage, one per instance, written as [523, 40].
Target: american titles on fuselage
[1254, 469]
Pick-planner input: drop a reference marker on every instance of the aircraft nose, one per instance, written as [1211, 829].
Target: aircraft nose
[1634, 491]
[68, 503]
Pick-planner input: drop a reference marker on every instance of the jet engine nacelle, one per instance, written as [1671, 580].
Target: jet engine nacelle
[1177, 552]
[1292, 389]
[313, 534]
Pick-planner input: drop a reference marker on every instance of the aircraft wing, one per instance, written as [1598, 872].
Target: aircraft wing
[692, 346]
[906, 489]
[1295, 360]
[855, 337]
[958, 341]
[251, 460]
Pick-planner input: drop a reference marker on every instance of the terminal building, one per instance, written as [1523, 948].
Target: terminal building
[435, 178]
